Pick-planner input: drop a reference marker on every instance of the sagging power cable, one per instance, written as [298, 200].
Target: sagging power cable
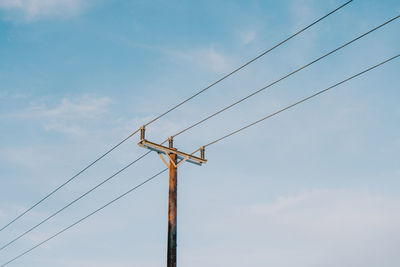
[84, 218]
[168, 111]
[284, 77]
[299, 102]
[74, 201]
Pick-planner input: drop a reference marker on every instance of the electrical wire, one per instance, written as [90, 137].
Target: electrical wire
[171, 109]
[248, 62]
[211, 143]
[74, 201]
[66, 182]
[284, 77]
[84, 218]
[299, 102]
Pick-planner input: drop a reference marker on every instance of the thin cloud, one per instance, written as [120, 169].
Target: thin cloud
[33, 10]
[85, 106]
[247, 37]
[68, 117]
[208, 58]
[301, 12]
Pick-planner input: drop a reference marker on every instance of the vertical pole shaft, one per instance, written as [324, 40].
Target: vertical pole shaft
[172, 208]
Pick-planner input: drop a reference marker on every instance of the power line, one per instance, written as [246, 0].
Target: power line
[1, 248]
[286, 76]
[171, 109]
[211, 143]
[66, 182]
[74, 201]
[84, 218]
[299, 102]
[247, 63]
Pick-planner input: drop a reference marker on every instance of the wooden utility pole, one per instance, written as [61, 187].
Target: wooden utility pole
[172, 209]
[174, 155]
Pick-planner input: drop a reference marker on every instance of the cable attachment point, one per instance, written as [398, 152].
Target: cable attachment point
[202, 154]
[142, 132]
[171, 142]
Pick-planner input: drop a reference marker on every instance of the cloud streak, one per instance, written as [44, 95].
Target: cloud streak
[33, 10]
[68, 116]
[206, 57]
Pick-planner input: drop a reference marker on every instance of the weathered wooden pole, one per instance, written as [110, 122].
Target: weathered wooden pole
[173, 154]
[172, 209]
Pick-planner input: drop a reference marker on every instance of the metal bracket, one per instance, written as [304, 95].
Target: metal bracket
[182, 161]
[167, 151]
[169, 157]
[163, 159]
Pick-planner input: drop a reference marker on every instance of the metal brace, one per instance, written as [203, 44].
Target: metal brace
[169, 157]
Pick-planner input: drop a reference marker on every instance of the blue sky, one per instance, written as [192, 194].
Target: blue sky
[315, 186]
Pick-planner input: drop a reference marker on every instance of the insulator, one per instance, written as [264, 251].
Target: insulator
[202, 152]
[142, 133]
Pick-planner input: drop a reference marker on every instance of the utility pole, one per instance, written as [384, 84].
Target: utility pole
[174, 155]
[172, 208]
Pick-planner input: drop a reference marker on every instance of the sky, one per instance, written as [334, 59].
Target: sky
[317, 185]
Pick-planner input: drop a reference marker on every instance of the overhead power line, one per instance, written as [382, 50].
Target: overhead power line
[74, 201]
[301, 101]
[66, 182]
[284, 77]
[84, 218]
[171, 109]
[211, 143]
[247, 63]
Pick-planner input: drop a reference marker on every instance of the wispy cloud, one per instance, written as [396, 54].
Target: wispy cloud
[247, 37]
[209, 58]
[8, 95]
[302, 11]
[206, 56]
[32, 10]
[68, 116]
[26, 157]
[82, 107]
